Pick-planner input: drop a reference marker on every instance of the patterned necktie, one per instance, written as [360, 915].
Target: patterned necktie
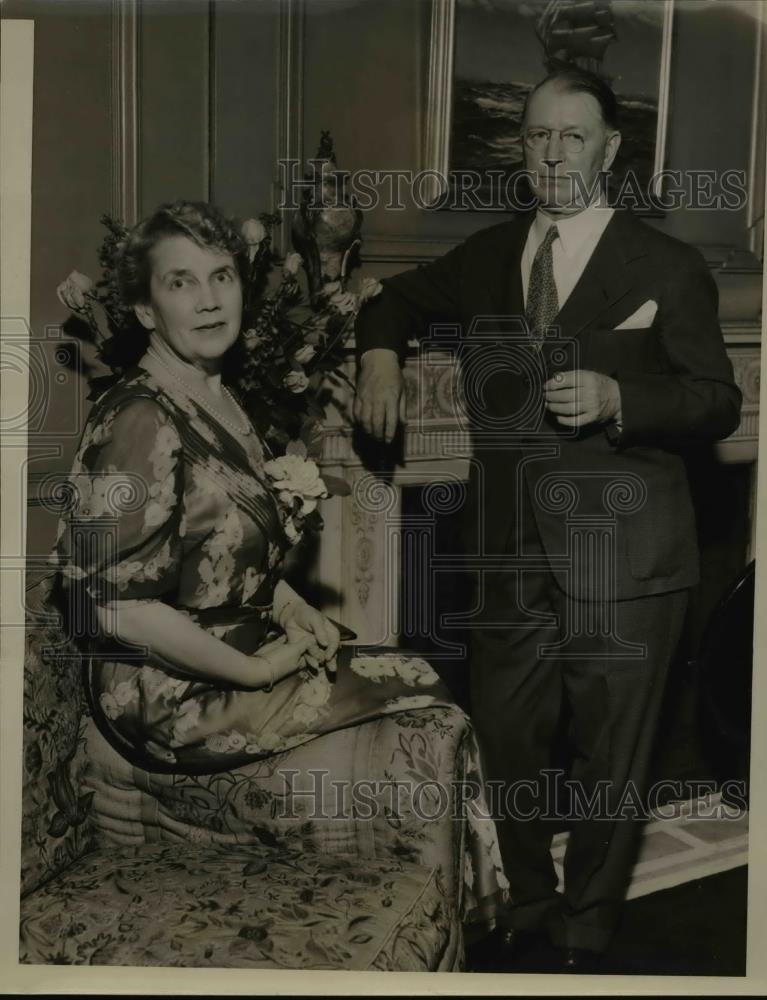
[542, 302]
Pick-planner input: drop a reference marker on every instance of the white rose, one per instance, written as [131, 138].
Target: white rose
[298, 477]
[296, 381]
[292, 263]
[73, 291]
[253, 232]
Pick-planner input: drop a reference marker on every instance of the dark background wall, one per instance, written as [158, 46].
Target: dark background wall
[174, 74]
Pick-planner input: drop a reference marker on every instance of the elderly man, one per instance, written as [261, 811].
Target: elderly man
[583, 491]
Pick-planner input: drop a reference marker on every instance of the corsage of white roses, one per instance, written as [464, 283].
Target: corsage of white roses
[298, 484]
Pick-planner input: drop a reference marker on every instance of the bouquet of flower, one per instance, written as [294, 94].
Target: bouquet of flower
[294, 333]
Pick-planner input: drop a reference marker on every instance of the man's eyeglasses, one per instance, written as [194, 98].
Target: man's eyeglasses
[538, 138]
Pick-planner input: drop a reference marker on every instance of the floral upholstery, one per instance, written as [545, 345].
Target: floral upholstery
[317, 796]
[242, 908]
[261, 879]
[56, 813]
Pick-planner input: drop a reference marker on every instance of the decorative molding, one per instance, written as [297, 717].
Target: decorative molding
[126, 56]
[364, 523]
[436, 146]
[663, 95]
[289, 110]
[740, 332]
[746, 365]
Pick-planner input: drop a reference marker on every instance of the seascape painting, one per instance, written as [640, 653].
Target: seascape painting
[501, 48]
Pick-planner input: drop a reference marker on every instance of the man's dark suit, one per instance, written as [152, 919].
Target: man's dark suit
[541, 491]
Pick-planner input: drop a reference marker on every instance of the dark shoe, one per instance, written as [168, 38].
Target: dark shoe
[512, 950]
[581, 961]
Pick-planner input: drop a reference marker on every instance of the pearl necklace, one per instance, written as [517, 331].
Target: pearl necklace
[245, 428]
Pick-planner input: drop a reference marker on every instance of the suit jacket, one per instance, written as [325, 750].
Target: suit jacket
[676, 385]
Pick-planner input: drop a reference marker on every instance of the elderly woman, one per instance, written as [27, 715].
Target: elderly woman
[201, 658]
[198, 647]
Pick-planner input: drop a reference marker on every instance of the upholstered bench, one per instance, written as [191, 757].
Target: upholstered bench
[122, 867]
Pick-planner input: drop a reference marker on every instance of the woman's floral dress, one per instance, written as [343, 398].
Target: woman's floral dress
[167, 505]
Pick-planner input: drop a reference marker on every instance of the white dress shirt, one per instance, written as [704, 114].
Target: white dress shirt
[571, 252]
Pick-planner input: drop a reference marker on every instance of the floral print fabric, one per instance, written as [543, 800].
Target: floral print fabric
[56, 813]
[253, 907]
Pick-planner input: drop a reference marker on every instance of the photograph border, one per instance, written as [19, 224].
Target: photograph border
[16, 122]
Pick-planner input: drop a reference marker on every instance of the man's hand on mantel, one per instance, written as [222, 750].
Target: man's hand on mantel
[380, 399]
[582, 397]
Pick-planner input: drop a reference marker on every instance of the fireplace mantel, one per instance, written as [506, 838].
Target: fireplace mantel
[360, 549]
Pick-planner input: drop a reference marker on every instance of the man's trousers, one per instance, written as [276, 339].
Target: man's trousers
[520, 695]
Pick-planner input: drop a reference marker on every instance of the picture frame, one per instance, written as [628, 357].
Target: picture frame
[475, 104]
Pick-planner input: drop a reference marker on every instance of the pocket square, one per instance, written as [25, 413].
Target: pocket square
[643, 316]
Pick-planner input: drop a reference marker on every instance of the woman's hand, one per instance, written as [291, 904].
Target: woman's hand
[284, 656]
[300, 620]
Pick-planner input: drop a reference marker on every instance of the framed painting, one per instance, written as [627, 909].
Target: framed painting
[485, 57]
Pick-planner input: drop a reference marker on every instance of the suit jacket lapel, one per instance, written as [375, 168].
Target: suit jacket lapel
[606, 278]
[514, 302]
[502, 277]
